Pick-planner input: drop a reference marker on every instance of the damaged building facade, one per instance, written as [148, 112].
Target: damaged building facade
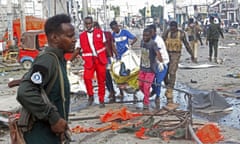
[227, 10]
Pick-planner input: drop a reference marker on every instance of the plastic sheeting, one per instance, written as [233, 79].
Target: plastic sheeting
[209, 102]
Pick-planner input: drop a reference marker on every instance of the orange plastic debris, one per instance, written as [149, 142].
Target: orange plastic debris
[122, 114]
[209, 133]
[116, 126]
[111, 115]
[113, 126]
[104, 128]
[140, 134]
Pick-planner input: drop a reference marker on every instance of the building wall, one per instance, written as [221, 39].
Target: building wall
[52, 7]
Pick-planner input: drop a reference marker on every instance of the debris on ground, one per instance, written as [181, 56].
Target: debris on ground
[170, 124]
[209, 133]
[210, 102]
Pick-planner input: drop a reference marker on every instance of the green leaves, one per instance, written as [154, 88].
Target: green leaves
[169, 1]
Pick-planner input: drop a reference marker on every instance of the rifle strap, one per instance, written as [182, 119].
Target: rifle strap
[59, 71]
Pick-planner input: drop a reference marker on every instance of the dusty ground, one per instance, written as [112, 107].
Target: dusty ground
[207, 79]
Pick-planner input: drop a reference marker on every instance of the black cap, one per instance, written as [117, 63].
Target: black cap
[190, 20]
[173, 23]
[211, 17]
[152, 26]
[113, 23]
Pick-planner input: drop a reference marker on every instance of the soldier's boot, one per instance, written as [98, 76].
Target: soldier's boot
[170, 104]
[195, 60]
[168, 94]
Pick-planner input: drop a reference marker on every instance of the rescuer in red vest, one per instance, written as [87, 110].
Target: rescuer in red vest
[92, 42]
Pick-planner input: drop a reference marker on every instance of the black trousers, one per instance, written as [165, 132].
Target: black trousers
[109, 82]
[213, 46]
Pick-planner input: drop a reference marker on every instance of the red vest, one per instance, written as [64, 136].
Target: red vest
[98, 45]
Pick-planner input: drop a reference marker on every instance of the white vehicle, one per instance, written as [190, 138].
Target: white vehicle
[235, 25]
[149, 21]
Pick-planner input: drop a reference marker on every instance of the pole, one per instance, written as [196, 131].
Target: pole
[55, 7]
[174, 9]
[10, 21]
[90, 7]
[105, 13]
[23, 20]
[85, 8]
[49, 8]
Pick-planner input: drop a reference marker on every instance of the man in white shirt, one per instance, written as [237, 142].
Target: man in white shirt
[162, 66]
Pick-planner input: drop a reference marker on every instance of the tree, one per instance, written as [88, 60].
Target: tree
[156, 11]
[116, 10]
[142, 11]
[169, 1]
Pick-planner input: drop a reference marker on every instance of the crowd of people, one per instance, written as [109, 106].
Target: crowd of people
[47, 120]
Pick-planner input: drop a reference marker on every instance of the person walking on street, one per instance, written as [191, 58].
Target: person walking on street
[151, 62]
[121, 39]
[199, 33]
[173, 39]
[213, 33]
[49, 121]
[160, 73]
[93, 44]
[193, 37]
[111, 51]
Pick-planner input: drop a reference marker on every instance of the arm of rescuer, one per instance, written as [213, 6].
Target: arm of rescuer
[132, 37]
[133, 41]
[159, 58]
[29, 93]
[185, 42]
[76, 52]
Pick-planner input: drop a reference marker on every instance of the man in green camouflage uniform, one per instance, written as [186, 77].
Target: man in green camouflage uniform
[213, 33]
[51, 118]
[173, 38]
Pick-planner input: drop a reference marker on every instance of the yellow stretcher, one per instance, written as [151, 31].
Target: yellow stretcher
[130, 80]
[132, 62]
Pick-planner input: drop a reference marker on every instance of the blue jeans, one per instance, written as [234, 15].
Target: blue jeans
[159, 77]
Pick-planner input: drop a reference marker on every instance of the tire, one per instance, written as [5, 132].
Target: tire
[27, 64]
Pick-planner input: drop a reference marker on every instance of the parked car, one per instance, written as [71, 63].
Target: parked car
[235, 25]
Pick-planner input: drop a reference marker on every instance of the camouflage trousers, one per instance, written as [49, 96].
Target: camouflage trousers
[171, 74]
